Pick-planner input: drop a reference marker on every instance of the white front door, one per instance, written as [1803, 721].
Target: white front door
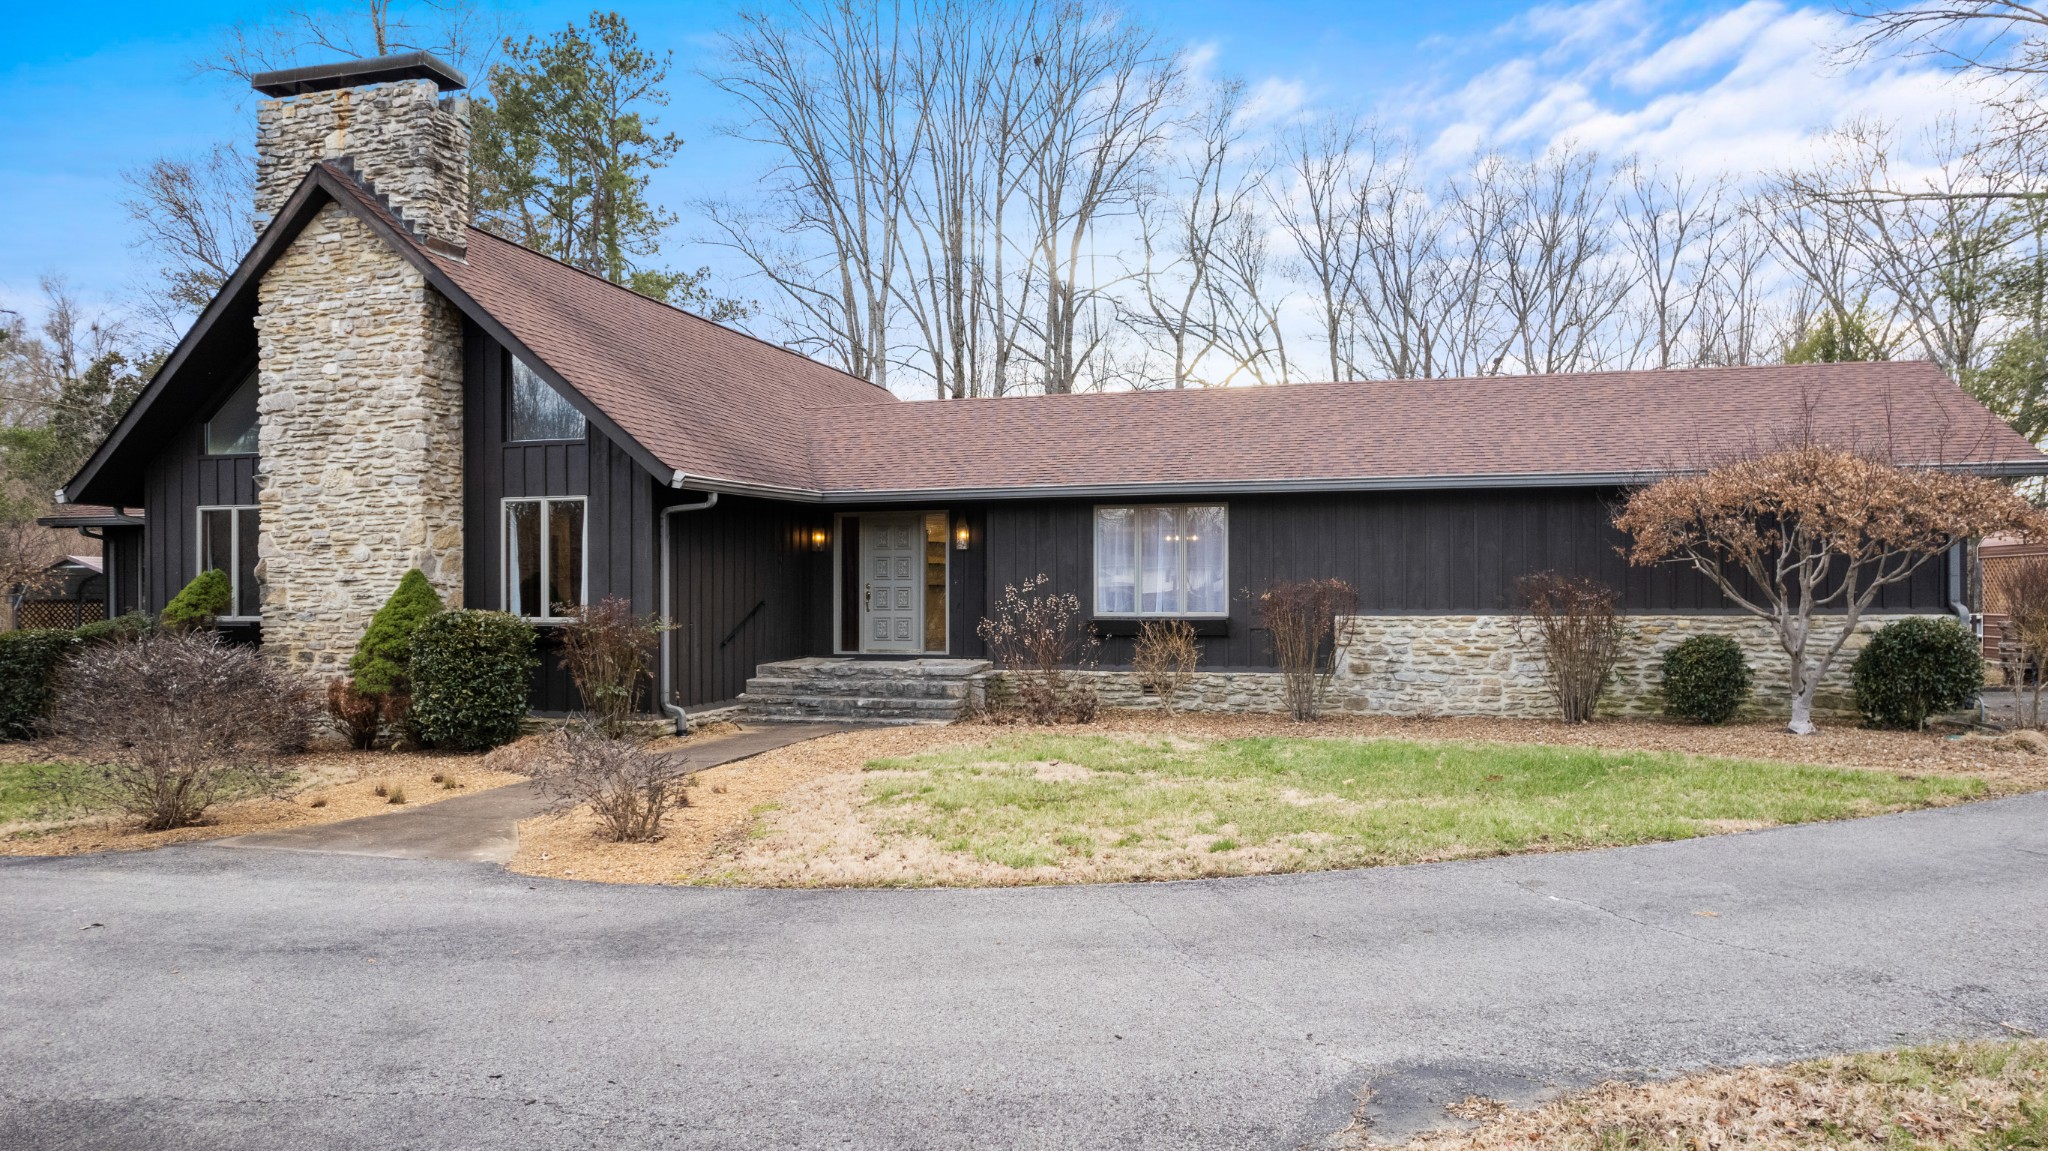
[892, 591]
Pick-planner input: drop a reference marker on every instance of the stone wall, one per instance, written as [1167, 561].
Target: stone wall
[360, 417]
[404, 139]
[1478, 665]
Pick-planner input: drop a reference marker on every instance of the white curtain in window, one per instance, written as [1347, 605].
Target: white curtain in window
[1162, 561]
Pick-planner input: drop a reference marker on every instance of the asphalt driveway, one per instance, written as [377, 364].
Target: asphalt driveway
[201, 997]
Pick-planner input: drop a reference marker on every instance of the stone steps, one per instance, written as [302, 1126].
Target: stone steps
[866, 691]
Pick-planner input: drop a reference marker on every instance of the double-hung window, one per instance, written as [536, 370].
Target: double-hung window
[227, 543]
[544, 557]
[1162, 561]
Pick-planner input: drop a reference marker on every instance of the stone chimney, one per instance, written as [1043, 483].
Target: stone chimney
[359, 359]
[388, 119]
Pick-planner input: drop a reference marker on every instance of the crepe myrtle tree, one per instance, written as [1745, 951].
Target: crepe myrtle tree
[1806, 530]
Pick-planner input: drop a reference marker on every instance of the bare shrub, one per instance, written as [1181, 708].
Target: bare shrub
[1301, 616]
[610, 653]
[2022, 585]
[173, 723]
[629, 788]
[1039, 639]
[355, 714]
[1579, 631]
[1165, 657]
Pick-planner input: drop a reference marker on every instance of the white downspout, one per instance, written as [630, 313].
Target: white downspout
[669, 706]
[1958, 602]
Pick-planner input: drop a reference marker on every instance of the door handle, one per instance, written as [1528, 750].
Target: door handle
[867, 596]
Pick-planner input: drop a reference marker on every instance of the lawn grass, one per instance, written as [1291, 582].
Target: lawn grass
[1980, 1096]
[23, 789]
[1138, 807]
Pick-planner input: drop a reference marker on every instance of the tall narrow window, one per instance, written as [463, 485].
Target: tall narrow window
[231, 430]
[1162, 561]
[537, 410]
[227, 543]
[544, 557]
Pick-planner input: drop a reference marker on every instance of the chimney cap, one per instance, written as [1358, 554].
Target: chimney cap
[356, 73]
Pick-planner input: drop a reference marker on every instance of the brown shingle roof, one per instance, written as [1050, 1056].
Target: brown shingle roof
[704, 398]
[724, 407]
[1508, 429]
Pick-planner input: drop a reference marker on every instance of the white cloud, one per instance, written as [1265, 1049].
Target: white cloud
[1273, 100]
[1742, 91]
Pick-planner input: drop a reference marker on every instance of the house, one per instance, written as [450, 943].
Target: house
[381, 387]
[69, 593]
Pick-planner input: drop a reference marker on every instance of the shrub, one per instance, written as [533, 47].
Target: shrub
[355, 714]
[133, 625]
[28, 669]
[1706, 679]
[178, 721]
[379, 666]
[1301, 616]
[2022, 587]
[1579, 633]
[629, 788]
[1164, 658]
[610, 651]
[207, 596]
[470, 672]
[1914, 668]
[1038, 638]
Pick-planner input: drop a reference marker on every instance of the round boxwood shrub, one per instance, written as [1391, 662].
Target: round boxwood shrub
[1915, 668]
[28, 676]
[1705, 679]
[207, 596]
[133, 625]
[470, 673]
[380, 665]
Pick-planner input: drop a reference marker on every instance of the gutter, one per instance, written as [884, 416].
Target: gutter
[669, 706]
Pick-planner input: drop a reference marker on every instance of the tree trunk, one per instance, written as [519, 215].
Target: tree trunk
[1802, 708]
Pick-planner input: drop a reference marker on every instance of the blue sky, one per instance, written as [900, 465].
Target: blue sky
[1734, 86]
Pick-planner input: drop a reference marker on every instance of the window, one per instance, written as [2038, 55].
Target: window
[227, 542]
[1166, 561]
[537, 410]
[232, 429]
[544, 558]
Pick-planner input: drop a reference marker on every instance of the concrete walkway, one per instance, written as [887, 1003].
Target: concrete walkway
[196, 998]
[484, 828]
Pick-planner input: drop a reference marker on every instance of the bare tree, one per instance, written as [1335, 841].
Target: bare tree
[194, 218]
[2003, 42]
[1554, 280]
[1672, 228]
[463, 33]
[1328, 164]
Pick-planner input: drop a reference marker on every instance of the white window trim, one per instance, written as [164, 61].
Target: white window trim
[505, 553]
[234, 555]
[1137, 564]
[839, 573]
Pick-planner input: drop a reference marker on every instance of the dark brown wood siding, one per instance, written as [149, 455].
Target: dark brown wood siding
[620, 525]
[1425, 553]
[749, 589]
[179, 481]
[123, 549]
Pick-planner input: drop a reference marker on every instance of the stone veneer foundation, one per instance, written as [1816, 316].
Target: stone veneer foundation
[359, 370]
[1478, 665]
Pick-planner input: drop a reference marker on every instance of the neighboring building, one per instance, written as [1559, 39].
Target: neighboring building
[70, 593]
[381, 387]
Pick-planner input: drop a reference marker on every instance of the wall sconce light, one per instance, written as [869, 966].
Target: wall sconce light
[821, 539]
[960, 536]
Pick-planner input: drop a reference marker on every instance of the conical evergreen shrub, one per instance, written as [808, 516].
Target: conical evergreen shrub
[382, 663]
[208, 595]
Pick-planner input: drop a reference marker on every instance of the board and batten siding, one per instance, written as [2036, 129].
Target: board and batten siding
[749, 590]
[1416, 553]
[180, 480]
[620, 527]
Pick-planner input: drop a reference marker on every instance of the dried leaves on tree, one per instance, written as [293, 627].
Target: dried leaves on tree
[1813, 530]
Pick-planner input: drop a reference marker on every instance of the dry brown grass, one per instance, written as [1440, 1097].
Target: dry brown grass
[793, 816]
[341, 783]
[1954, 1095]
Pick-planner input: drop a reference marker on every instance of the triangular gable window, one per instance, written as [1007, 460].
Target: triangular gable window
[232, 430]
[538, 411]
